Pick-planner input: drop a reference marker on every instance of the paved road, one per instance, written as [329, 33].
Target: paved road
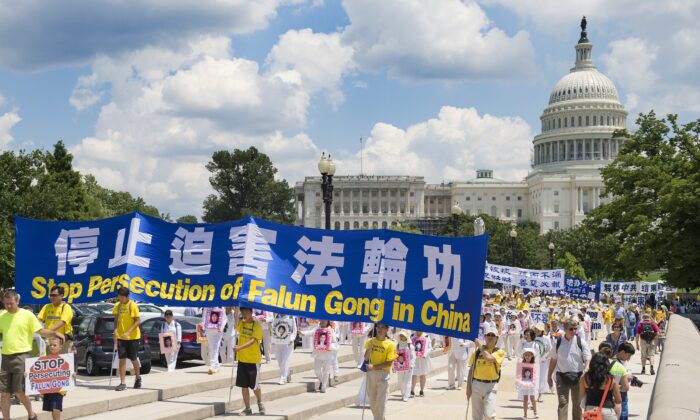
[156, 367]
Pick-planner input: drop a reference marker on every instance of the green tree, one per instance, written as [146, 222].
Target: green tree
[571, 266]
[103, 202]
[405, 228]
[187, 219]
[593, 251]
[245, 184]
[655, 213]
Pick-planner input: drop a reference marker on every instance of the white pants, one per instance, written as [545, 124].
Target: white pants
[307, 342]
[214, 339]
[511, 341]
[405, 383]
[266, 342]
[343, 332]
[336, 366]
[455, 366]
[484, 400]
[323, 371]
[171, 358]
[204, 351]
[283, 352]
[544, 367]
[226, 349]
[358, 347]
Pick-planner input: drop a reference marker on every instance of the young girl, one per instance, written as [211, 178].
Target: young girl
[422, 367]
[284, 331]
[527, 383]
[512, 335]
[404, 348]
[324, 354]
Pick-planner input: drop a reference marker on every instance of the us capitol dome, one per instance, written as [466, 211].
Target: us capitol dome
[563, 185]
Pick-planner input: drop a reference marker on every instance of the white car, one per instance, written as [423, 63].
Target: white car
[149, 311]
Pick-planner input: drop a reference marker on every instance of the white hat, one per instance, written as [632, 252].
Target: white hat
[490, 330]
[404, 333]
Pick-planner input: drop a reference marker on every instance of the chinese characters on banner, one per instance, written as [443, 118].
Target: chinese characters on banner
[635, 287]
[580, 289]
[403, 279]
[545, 280]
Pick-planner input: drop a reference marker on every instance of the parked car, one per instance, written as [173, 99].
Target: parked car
[102, 307]
[94, 344]
[190, 348]
[149, 311]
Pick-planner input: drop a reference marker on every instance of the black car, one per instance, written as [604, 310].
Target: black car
[94, 345]
[190, 348]
[80, 311]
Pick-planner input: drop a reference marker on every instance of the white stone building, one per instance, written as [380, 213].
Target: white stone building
[563, 185]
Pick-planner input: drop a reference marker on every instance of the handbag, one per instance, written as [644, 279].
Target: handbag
[597, 413]
[569, 378]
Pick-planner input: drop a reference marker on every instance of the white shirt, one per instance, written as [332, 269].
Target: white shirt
[173, 327]
[569, 357]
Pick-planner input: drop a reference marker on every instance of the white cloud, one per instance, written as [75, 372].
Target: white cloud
[435, 39]
[629, 62]
[7, 121]
[36, 34]
[448, 147]
[321, 60]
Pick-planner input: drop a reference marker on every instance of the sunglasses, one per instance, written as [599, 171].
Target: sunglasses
[491, 335]
[571, 329]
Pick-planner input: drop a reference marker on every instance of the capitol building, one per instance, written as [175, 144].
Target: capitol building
[563, 185]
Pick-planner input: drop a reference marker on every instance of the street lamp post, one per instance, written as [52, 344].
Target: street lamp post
[456, 211]
[327, 169]
[551, 255]
[513, 235]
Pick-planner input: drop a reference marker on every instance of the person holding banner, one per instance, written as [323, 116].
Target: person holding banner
[214, 321]
[249, 356]
[172, 326]
[58, 316]
[380, 352]
[17, 328]
[484, 375]
[127, 335]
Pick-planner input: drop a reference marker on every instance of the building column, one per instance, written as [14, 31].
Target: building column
[580, 200]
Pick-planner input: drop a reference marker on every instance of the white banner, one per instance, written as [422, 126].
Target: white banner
[632, 287]
[547, 280]
[596, 320]
[539, 317]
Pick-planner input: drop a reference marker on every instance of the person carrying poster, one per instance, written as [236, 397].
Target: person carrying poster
[358, 337]
[527, 380]
[214, 321]
[58, 316]
[172, 326]
[249, 357]
[325, 348]
[53, 402]
[284, 331]
[543, 342]
[127, 335]
[17, 328]
[456, 361]
[423, 366]
[404, 363]
[484, 375]
[380, 352]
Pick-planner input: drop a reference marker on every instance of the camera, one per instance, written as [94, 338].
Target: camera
[636, 382]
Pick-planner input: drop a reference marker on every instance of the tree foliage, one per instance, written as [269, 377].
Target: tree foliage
[245, 185]
[655, 213]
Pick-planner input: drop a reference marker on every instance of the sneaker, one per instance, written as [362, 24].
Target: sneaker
[246, 412]
[120, 387]
[652, 370]
[413, 394]
[281, 381]
[137, 382]
[404, 399]
[422, 394]
[450, 387]
[261, 409]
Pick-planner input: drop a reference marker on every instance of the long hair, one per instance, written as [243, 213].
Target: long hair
[598, 371]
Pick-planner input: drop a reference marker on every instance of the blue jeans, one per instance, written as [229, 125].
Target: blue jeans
[624, 413]
[630, 331]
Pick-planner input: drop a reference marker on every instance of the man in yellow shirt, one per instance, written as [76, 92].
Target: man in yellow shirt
[249, 357]
[17, 328]
[380, 353]
[58, 316]
[483, 379]
[127, 335]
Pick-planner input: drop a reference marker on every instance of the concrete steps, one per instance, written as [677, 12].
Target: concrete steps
[315, 405]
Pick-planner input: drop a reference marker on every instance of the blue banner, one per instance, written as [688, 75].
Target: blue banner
[580, 289]
[405, 280]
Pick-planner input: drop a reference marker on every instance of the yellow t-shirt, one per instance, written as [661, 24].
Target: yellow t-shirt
[127, 317]
[246, 331]
[382, 352]
[51, 314]
[497, 299]
[608, 316]
[487, 371]
[18, 331]
[660, 315]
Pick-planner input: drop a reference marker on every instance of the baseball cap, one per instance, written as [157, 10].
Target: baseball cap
[491, 330]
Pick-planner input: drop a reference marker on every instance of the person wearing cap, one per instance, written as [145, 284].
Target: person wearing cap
[380, 353]
[484, 375]
[172, 326]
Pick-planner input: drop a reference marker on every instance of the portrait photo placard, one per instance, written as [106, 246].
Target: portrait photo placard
[419, 344]
[167, 342]
[214, 319]
[322, 338]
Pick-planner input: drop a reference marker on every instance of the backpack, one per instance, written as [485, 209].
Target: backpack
[578, 341]
[648, 333]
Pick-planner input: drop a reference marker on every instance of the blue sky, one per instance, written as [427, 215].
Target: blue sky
[144, 92]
